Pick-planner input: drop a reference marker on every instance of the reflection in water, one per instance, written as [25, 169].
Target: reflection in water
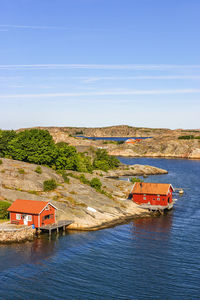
[156, 228]
[30, 252]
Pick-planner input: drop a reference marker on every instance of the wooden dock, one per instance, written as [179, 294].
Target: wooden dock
[159, 208]
[56, 226]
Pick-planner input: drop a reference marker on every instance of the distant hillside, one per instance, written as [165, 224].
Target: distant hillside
[118, 131]
[164, 142]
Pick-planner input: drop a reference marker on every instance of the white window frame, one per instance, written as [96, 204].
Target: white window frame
[29, 218]
[47, 207]
[18, 216]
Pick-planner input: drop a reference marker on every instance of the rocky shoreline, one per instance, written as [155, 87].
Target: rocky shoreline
[75, 199]
[17, 236]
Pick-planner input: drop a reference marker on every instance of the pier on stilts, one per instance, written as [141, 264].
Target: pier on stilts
[56, 226]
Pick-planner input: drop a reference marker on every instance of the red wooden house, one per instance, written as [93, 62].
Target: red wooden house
[152, 194]
[29, 212]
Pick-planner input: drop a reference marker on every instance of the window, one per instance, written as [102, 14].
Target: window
[47, 207]
[18, 217]
[29, 218]
[144, 198]
[158, 199]
[158, 196]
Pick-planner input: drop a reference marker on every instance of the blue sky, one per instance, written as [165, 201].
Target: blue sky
[99, 63]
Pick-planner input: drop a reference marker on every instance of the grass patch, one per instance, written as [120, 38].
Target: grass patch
[21, 171]
[33, 192]
[38, 170]
[49, 185]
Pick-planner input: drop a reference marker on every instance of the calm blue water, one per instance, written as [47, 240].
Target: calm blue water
[111, 138]
[149, 258]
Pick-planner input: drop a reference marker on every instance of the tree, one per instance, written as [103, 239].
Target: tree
[67, 157]
[104, 161]
[34, 146]
[5, 137]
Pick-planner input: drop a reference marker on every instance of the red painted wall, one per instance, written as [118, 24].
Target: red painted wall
[51, 213]
[13, 219]
[153, 199]
[35, 218]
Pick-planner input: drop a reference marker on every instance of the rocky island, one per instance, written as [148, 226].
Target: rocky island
[73, 198]
[162, 142]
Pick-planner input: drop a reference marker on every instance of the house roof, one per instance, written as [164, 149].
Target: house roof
[130, 141]
[28, 206]
[151, 188]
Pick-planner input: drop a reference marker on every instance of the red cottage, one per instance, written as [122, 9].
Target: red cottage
[153, 194]
[28, 212]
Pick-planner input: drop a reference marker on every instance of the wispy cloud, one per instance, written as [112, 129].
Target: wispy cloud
[113, 78]
[97, 67]
[7, 26]
[104, 93]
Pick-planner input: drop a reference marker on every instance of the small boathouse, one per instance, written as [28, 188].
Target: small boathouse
[29, 212]
[155, 196]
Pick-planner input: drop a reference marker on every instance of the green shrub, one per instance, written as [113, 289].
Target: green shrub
[65, 178]
[120, 142]
[1, 162]
[83, 179]
[101, 165]
[21, 171]
[96, 183]
[49, 185]
[136, 179]
[186, 137]
[79, 132]
[3, 209]
[38, 170]
[104, 161]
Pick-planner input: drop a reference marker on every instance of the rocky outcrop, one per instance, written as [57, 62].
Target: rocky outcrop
[134, 170]
[165, 146]
[16, 236]
[74, 200]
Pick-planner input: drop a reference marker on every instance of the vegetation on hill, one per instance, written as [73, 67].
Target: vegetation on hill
[136, 179]
[3, 209]
[37, 146]
[105, 162]
[188, 137]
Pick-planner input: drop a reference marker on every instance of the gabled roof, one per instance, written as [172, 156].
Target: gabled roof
[28, 206]
[151, 188]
